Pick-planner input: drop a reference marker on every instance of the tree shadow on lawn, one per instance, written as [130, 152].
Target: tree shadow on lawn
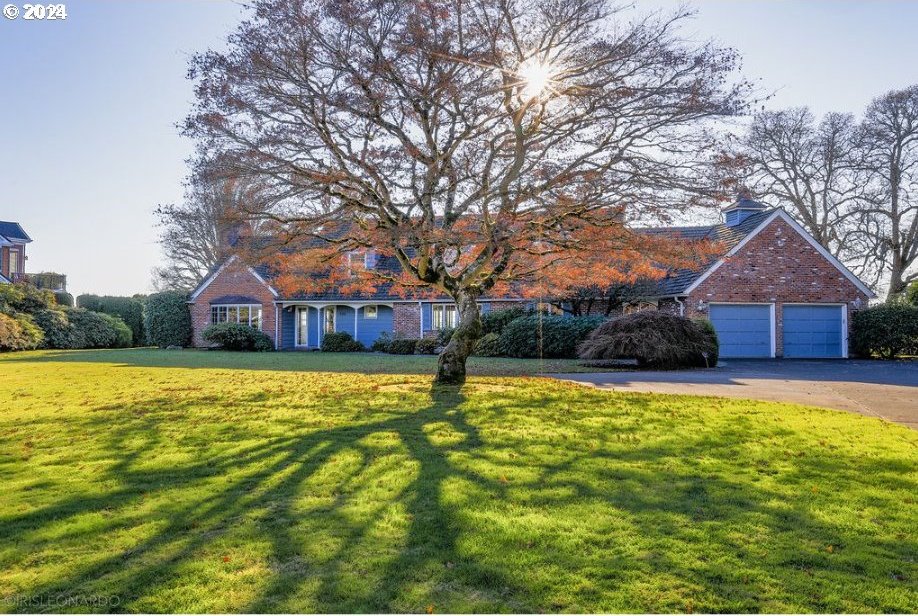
[463, 510]
[363, 363]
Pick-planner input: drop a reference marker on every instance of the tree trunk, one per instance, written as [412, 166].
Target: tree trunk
[451, 364]
[896, 283]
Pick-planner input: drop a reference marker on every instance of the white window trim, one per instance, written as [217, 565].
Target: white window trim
[296, 327]
[443, 307]
[375, 312]
[250, 307]
[334, 312]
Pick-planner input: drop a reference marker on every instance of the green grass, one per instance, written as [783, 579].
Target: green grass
[125, 474]
[363, 363]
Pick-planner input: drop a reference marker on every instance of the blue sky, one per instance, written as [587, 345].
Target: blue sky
[88, 107]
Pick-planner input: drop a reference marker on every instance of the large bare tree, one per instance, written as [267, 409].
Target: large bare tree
[478, 141]
[810, 168]
[198, 234]
[888, 222]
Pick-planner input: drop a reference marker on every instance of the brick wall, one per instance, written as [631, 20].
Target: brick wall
[406, 320]
[235, 279]
[777, 266]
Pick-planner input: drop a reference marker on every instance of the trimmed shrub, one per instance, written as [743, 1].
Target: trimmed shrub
[444, 335]
[886, 331]
[62, 298]
[94, 330]
[23, 297]
[128, 309]
[56, 329]
[19, 333]
[237, 337]
[403, 346]
[341, 342]
[167, 320]
[495, 322]
[381, 344]
[559, 335]
[654, 339]
[488, 346]
[713, 354]
[427, 346]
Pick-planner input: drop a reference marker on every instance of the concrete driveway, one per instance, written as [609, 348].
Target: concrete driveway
[876, 388]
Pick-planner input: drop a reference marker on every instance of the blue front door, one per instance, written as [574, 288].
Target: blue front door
[743, 330]
[813, 331]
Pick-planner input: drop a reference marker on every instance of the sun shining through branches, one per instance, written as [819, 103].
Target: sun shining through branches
[456, 136]
[536, 77]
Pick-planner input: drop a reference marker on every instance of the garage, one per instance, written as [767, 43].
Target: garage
[814, 330]
[743, 330]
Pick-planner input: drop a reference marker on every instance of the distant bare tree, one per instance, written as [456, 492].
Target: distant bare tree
[198, 234]
[888, 223]
[809, 168]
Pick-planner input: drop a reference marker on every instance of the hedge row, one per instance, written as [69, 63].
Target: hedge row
[128, 309]
[886, 331]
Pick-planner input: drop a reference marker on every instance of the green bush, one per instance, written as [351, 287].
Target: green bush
[237, 337]
[713, 352]
[56, 329]
[76, 328]
[488, 346]
[426, 346]
[559, 335]
[381, 344]
[94, 330]
[444, 335]
[886, 331]
[23, 297]
[19, 333]
[62, 298]
[403, 346]
[654, 339]
[495, 322]
[341, 342]
[167, 320]
[124, 337]
[128, 309]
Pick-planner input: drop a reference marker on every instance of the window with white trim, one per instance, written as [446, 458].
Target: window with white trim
[329, 320]
[246, 314]
[370, 312]
[14, 261]
[444, 316]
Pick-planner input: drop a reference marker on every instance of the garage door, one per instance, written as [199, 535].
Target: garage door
[743, 330]
[813, 331]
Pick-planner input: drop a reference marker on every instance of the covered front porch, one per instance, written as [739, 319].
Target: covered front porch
[304, 324]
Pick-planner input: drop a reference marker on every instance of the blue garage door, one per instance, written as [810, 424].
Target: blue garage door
[742, 330]
[813, 331]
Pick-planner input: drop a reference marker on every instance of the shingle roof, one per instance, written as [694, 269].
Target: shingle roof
[726, 236]
[235, 299]
[673, 284]
[12, 230]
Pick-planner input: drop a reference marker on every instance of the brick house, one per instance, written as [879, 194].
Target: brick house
[13, 240]
[774, 292]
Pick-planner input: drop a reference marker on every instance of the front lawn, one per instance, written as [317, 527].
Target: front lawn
[129, 478]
